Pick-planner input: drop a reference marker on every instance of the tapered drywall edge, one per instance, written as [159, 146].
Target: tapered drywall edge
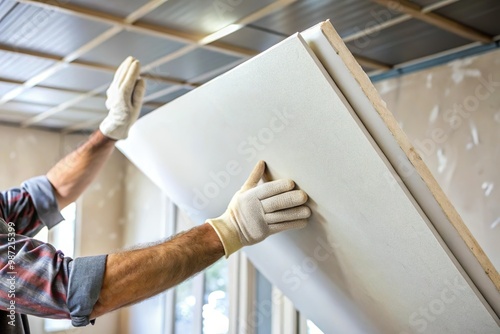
[381, 124]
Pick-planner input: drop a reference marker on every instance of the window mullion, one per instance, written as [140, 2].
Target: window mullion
[246, 312]
[234, 292]
[170, 228]
[198, 291]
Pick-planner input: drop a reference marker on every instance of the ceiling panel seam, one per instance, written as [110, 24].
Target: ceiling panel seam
[8, 12]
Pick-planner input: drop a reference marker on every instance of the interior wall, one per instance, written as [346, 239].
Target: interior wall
[451, 114]
[26, 153]
[146, 212]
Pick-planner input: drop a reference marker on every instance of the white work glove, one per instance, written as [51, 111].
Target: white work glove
[124, 100]
[257, 211]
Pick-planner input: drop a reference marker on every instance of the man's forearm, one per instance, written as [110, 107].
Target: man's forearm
[71, 176]
[138, 274]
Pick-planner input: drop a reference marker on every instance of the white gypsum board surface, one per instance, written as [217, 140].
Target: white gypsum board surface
[197, 149]
[383, 127]
[368, 250]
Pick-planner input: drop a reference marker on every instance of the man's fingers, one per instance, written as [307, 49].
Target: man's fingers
[121, 71]
[255, 175]
[296, 213]
[272, 188]
[294, 224]
[130, 77]
[285, 200]
[139, 91]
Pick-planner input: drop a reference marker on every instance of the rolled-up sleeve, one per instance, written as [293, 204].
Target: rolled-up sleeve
[41, 281]
[35, 277]
[31, 207]
[85, 282]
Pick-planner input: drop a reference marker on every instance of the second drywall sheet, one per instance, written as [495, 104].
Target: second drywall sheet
[369, 260]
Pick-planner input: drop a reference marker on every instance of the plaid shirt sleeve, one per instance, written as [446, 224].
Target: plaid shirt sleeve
[36, 278]
[30, 207]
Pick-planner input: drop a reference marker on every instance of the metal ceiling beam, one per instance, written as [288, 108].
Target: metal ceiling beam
[434, 19]
[79, 92]
[375, 29]
[436, 59]
[85, 64]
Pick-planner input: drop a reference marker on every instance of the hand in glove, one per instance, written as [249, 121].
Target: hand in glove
[124, 100]
[257, 211]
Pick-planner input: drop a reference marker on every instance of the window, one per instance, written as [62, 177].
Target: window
[211, 316]
[215, 310]
[201, 303]
[184, 307]
[263, 305]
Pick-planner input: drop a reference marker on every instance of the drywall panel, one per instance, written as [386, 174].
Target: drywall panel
[369, 261]
[372, 111]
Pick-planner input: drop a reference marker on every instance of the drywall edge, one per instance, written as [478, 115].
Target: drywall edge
[383, 127]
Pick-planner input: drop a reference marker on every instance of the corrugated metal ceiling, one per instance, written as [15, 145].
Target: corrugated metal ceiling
[482, 15]
[78, 78]
[193, 64]
[115, 7]
[408, 40]
[202, 17]
[144, 48]
[45, 30]
[36, 35]
[21, 67]
[346, 16]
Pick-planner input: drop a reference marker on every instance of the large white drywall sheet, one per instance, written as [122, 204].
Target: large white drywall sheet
[367, 250]
[355, 86]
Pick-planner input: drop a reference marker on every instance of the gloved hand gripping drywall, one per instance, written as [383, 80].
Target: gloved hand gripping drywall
[258, 211]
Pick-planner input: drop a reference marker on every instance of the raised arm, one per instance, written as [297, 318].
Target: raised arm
[255, 212]
[72, 175]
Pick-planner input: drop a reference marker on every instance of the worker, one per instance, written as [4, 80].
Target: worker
[39, 280]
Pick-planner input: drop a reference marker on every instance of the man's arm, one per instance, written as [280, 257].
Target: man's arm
[72, 175]
[138, 274]
[255, 212]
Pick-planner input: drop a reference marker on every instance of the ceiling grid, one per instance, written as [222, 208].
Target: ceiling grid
[68, 50]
